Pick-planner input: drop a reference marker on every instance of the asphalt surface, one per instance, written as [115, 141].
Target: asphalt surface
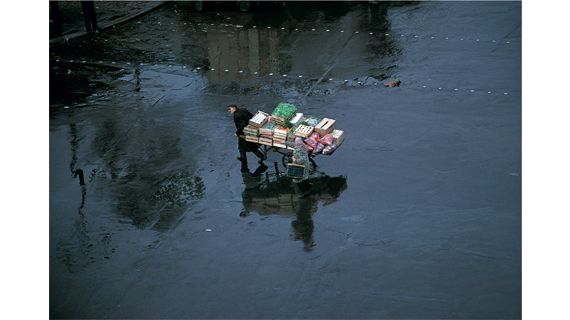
[417, 215]
[107, 12]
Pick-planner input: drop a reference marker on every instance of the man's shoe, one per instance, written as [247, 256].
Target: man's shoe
[240, 158]
[261, 169]
[244, 213]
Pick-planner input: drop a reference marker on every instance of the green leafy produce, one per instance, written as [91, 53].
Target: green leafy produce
[285, 111]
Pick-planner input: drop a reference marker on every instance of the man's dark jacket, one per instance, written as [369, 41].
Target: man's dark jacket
[241, 119]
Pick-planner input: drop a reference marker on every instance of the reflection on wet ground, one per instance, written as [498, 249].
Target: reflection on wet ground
[166, 226]
[244, 53]
[273, 194]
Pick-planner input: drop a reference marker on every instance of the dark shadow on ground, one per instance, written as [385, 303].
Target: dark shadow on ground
[270, 194]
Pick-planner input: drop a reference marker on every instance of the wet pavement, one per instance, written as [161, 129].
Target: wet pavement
[417, 215]
[107, 13]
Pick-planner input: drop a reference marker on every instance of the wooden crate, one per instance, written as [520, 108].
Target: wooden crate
[280, 132]
[267, 129]
[266, 141]
[325, 126]
[252, 139]
[279, 145]
[296, 171]
[259, 119]
[296, 119]
[251, 130]
[339, 136]
[304, 131]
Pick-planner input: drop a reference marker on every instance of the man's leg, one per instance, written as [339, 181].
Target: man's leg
[243, 159]
[93, 16]
[242, 156]
[260, 155]
[305, 188]
[85, 11]
[56, 17]
[261, 169]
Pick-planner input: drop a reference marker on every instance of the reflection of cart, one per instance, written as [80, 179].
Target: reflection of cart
[275, 194]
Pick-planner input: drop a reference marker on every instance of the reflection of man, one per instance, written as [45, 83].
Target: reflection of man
[282, 197]
[303, 226]
[241, 119]
[55, 16]
[301, 157]
[88, 8]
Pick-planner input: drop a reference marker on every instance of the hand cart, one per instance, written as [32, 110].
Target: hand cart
[286, 155]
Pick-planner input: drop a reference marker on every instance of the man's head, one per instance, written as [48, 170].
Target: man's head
[232, 108]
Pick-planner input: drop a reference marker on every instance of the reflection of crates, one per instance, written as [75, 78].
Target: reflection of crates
[296, 171]
[303, 131]
[283, 204]
[325, 126]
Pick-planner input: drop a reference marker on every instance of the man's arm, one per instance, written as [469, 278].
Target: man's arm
[241, 120]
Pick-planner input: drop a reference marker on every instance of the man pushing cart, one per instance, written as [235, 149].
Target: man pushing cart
[241, 119]
[296, 136]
